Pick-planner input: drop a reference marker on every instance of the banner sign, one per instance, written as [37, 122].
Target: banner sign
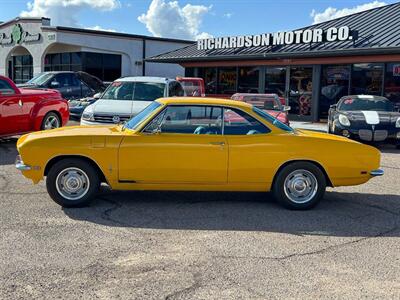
[316, 35]
[396, 70]
[19, 36]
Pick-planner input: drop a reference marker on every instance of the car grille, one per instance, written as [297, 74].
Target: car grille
[369, 135]
[110, 119]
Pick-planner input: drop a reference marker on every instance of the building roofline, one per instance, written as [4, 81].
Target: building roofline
[279, 55]
[120, 34]
[23, 19]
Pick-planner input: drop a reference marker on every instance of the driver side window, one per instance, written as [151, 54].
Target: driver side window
[188, 120]
[5, 88]
[237, 122]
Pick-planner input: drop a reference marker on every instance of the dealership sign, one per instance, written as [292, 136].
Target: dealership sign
[18, 35]
[306, 36]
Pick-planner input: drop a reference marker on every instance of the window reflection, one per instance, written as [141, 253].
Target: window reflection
[248, 80]
[367, 79]
[334, 85]
[275, 81]
[227, 81]
[392, 83]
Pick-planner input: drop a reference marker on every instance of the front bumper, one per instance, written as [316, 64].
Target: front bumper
[19, 164]
[391, 135]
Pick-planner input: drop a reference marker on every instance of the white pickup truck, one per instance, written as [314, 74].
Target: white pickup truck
[127, 96]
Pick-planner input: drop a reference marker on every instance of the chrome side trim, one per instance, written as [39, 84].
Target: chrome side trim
[23, 167]
[378, 172]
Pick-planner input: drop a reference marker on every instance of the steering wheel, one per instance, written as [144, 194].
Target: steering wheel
[200, 130]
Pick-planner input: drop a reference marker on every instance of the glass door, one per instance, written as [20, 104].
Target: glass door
[300, 91]
[275, 82]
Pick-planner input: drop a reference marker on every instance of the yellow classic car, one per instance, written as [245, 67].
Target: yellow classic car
[195, 144]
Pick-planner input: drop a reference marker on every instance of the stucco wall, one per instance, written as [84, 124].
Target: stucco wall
[57, 41]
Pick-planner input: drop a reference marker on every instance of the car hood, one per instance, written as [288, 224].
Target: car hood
[119, 107]
[322, 135]
[70, 131]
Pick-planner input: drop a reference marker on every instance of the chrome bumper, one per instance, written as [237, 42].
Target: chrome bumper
[19, 164]
[378, 172]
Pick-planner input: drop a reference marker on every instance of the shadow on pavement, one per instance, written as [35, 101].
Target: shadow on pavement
[8, 151]
[339, 214]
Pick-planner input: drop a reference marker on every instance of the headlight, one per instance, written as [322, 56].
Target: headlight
[88, 114]
[344, 120]
[398, 123]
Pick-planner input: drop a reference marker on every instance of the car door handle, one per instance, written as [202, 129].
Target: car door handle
[20, 103]
[217, 143]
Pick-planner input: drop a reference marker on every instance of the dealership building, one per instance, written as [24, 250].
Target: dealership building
[311, 67]
[29, 46]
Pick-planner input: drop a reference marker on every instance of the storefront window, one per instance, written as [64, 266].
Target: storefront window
[189, 72]
[248, 80]
[392, 83]
[275, 81]
[334, 85]
[300, 93]
[22, 68]
[227, 81]
[367, 79]
[210, 79]
[107, 67]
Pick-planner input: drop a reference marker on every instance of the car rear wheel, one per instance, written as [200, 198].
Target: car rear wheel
[72, 182]
[51, 121]
[299, 186]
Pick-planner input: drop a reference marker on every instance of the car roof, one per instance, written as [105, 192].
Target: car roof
[256, 95]
[203, 101]
[145, 79]
[366, 97]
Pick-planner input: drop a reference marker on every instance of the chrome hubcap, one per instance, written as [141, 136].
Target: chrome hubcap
[51, 123]
[300, 186]
[72, 183]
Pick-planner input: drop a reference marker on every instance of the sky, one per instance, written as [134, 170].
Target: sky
[190, 19]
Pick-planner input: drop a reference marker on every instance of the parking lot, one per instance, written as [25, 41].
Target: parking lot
[145, 245]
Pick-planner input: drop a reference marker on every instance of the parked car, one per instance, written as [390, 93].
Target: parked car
[185, 144]
[76, 107]
[24, 110]
[270, 103]
[366, 118]
[127, 96]
[193, 86]
[71, 85]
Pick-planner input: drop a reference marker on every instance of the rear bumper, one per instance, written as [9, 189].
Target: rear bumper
[378, 172]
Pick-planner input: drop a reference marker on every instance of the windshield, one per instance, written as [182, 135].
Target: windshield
[375, 104]
[40, 79]
[142, 116]
[262, 102]
[272, 120]
[137, 91]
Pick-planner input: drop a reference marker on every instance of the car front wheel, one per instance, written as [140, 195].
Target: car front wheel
[299, 186]
[51, 121]
[72, 182]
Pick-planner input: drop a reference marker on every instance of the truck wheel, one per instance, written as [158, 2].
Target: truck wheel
[299, 186]
[72, 182]
[50, 121]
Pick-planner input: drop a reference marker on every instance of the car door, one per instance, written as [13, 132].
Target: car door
[62, 83]
[182, 145]
[251, 150]
[10, 109]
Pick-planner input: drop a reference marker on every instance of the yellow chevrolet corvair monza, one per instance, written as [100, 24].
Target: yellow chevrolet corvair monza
[195, 144]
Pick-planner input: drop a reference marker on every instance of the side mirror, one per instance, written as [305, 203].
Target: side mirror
[333, 106]
[286, 108]
[97, 96]
[55, 84]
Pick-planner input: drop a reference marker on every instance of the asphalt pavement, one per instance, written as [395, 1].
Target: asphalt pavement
[169, 245]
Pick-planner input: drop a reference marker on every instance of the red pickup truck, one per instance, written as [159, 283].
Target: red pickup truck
[23, 110]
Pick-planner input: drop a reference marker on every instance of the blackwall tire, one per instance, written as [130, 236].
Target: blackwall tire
[72, 182]
[51, 121]
[299, 186]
